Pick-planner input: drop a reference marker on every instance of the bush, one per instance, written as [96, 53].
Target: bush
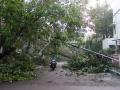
[16, 67]
[89, 65]
[42, 60]
[108, 51]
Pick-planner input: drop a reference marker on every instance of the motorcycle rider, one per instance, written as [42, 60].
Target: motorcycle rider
[53, 63]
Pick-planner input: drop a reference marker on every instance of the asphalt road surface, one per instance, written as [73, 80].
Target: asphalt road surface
[61, 79]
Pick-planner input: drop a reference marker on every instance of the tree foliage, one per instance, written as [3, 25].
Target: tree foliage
[103, 18]
[32, 31]
[90, 63]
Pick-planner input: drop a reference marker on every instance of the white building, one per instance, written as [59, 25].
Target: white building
[115, 41]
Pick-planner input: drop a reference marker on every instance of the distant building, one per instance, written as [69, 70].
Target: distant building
[115, 40]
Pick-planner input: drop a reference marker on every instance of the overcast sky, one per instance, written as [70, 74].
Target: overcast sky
[93, 2]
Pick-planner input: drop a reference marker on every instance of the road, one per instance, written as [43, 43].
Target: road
[61, 79]
[37, 87]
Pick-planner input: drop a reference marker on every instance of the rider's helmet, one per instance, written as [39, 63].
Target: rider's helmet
[53, 60]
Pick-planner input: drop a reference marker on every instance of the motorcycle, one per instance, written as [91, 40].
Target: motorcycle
[53, 65]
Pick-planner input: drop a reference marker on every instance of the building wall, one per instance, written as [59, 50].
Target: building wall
[115, 5]
[108, 41]
[117, 25]
[116, 18]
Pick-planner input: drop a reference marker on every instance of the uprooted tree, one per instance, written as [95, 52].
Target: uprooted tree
[31, 31]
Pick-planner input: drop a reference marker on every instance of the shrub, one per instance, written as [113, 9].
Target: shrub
[89, 65]
[16, 67]
[108, 51]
